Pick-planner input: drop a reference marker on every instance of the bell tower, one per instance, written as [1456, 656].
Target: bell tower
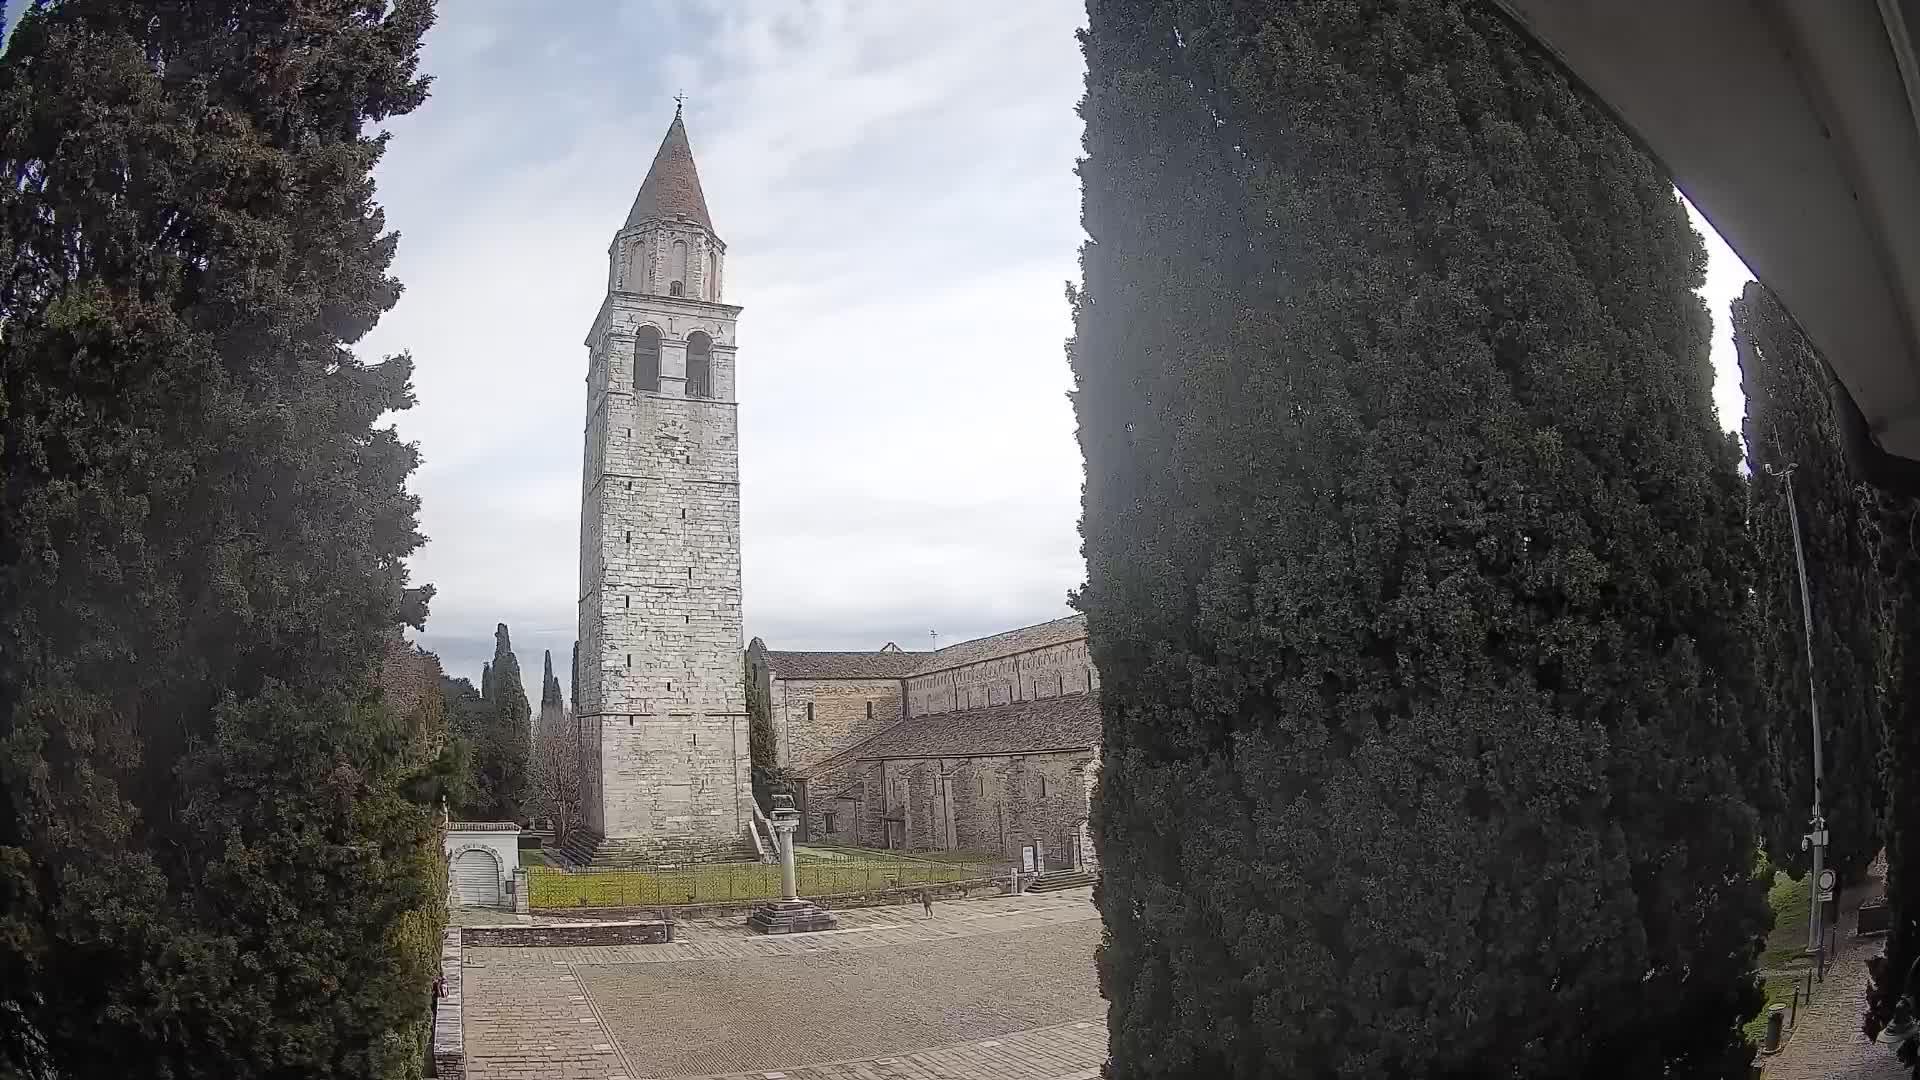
[662, 700]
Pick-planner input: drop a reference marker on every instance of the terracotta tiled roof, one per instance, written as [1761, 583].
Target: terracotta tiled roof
[672, 186]
[1068, 722]
[892, 663]
[844, 665]
[1013, 641]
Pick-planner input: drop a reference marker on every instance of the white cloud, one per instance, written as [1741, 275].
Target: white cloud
[894, 179]
[895, 184]
[1726, 276]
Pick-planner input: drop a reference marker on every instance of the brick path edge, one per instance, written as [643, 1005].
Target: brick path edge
[449, 1037]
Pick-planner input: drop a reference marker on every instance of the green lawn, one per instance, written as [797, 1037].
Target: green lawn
[532, 857]
[1776, 990]
[1786, 947]
[548, 888]
[1787, 943]
[978, 858]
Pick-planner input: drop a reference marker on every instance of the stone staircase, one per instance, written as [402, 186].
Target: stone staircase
[580, 849]
[760, 832]
[1056, 880]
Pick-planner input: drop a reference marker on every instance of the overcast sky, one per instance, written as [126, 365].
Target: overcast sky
[894, 181]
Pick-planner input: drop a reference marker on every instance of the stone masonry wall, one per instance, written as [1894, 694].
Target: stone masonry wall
[984, 804]
[1039, 673]
[639, 261]
[817, 718]
[834, 806]
[660, 620]
[568, 935]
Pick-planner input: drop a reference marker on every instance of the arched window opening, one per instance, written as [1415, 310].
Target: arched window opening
[646, 360]
[699, 365]
[713, 276]
[677, 269]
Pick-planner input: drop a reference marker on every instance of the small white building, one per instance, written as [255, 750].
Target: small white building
[481, 859]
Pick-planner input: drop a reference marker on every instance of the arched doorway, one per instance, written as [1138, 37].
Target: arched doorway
[476, 878]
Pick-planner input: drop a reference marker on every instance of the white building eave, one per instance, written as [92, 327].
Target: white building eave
[1794, 127]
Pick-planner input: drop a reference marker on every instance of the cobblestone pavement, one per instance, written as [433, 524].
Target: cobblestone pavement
[860, 928]
[1827, 1043]
[524, 1023]
[1067, 1052]
[988, 988]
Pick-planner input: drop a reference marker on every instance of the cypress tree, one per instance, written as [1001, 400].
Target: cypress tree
[1894, 991]
[503, 754]
[762, 748]
[467, 725]
[213, 859]
[573, 680]
[486, 682]
[463, 705]
[1790, 422]
[1417, 578]
[549, 686]
[553, 791]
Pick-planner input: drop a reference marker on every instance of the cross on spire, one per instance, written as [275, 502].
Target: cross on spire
[679, 99]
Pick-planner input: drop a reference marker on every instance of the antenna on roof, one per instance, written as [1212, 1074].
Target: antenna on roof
[935, 635]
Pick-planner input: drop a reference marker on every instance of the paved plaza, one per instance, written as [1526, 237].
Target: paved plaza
[1828, 1044]
[1003, 987]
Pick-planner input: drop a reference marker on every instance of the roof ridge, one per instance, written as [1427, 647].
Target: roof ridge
[1076, 616]
[944, 658]
[842, 663]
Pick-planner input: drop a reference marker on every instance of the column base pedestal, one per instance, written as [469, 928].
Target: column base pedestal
[792, 917]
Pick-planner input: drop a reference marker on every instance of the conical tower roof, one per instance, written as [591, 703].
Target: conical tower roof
[672, 187]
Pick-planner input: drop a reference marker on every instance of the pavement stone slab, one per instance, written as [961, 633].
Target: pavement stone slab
[1001, 988]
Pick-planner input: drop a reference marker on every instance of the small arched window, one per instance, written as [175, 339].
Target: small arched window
[646, 360]
[699, 365]
[713, 276]
[677, 269]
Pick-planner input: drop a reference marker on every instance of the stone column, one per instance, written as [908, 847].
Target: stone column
[789, 914]
[784, 822]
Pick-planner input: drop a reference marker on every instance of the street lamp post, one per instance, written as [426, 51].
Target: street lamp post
[1815, 841]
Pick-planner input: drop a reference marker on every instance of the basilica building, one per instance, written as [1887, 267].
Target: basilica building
[988, 746]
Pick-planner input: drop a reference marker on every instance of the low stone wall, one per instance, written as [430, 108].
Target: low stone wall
[449, 1040]
[623, 932]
